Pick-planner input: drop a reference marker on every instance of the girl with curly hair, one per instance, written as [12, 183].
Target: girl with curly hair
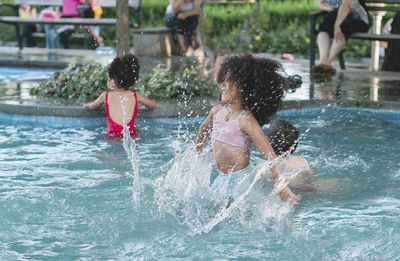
[251, 92]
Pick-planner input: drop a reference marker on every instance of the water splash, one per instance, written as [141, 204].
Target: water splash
[133, 157]
[185, 193]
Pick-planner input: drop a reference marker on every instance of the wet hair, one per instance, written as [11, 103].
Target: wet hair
[124, 70]
[261, 82]
[283, 137]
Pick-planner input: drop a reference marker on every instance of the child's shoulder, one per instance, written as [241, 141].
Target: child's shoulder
[216, 108]
[297, 161]
[246, 116]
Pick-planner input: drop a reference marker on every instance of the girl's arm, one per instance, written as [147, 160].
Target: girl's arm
[96, 103]
[205, 129]
[322, 6]
[147, 102]
[249, 125]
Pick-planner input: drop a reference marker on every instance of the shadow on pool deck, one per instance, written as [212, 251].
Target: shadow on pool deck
[354, 87]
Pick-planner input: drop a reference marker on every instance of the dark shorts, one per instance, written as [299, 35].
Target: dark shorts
[349, 25]
[185, 27]
[188, 25]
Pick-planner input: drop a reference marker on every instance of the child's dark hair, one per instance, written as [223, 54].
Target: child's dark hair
[260, 80]
[283, 137]
[124, 70]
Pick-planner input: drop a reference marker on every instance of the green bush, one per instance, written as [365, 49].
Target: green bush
[164, 84]
[74, 83]
[78, 84]
[7, 30]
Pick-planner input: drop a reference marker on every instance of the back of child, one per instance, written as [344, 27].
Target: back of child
[121, 103]
[284, 137]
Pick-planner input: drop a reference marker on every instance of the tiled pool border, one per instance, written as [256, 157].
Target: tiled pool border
[172, 114]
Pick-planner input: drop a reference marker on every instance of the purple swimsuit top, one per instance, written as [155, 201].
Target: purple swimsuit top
[229, 132]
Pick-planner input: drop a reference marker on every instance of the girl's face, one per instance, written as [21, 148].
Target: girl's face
[230, 93]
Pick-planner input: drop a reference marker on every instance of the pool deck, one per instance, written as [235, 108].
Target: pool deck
[355, 87]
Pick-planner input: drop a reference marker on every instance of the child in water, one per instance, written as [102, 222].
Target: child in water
[251, 92]
[121, 103]
[284, 137]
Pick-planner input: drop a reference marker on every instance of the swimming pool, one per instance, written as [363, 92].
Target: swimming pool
[71, 194]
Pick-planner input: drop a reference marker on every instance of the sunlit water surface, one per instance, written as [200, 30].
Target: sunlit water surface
[71, 194]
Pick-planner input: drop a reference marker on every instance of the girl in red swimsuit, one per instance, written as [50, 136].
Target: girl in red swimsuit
[120, 102]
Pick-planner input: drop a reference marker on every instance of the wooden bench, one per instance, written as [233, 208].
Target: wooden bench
[16, 20]
[377, 8]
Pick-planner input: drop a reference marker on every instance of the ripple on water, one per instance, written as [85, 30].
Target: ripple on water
[71, 194]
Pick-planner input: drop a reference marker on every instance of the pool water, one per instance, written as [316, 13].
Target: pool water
[71, 194]
[11, 74]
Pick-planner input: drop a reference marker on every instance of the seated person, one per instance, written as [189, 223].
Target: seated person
[344, 18]
[50, 12]
[69, 10]
[27, 11]
[183, 17]
[93, 11]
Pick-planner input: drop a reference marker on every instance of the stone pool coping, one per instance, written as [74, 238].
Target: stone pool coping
[173, 114]
[172, 109]
[181, 109]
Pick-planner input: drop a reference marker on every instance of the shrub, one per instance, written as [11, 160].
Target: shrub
[165, 84]
[77, 84]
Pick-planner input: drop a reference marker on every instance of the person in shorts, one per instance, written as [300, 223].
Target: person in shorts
[344, 18]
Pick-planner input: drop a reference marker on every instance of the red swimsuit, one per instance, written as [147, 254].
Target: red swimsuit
[114, 129]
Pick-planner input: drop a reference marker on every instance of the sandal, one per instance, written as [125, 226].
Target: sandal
[323, 70]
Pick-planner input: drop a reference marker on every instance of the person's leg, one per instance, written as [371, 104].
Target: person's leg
[324, 37]
[65, 32]
[181, 42]
[136, 10]
[336, 47]
[30, 29]
[181, 33]
[323, 47]
[199, 42]
[64, 38]
[47, 29]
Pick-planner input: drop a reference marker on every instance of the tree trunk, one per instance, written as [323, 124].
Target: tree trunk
[122, 14]
[392, 54]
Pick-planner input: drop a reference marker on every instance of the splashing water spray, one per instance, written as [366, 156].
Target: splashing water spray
[131, 151]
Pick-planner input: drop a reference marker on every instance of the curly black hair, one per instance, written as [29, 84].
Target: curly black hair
[283, 136]
[124, 70]
[261, 82]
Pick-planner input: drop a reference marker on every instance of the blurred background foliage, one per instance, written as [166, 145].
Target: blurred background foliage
[273, 26]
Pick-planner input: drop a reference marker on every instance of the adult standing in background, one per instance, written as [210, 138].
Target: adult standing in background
[183, 17]
[69, 10]
[27, 11]
[344, 18]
